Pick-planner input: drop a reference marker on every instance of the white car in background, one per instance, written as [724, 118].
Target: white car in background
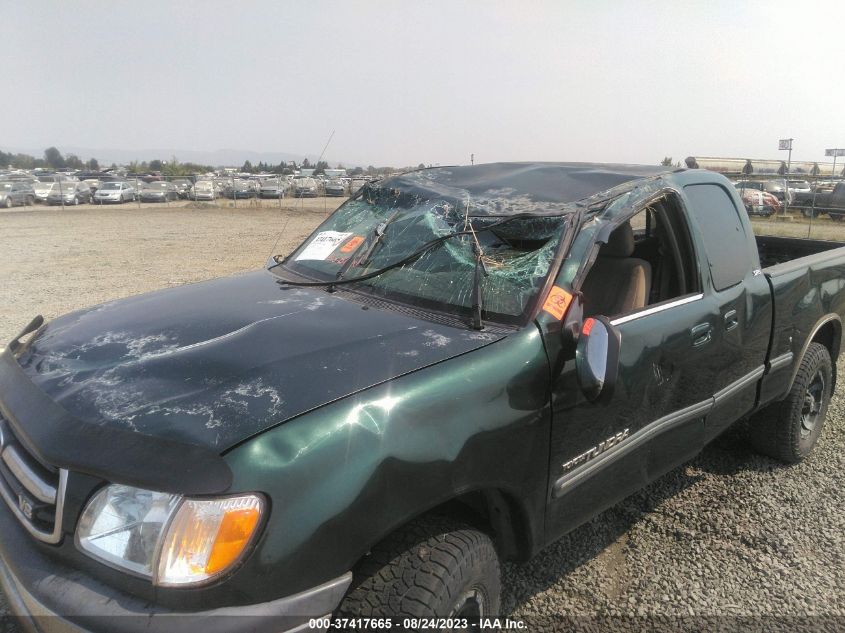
[114, 191]
[203, 190]
[42, 190]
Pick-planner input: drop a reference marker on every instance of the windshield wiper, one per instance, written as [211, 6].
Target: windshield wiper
[379, 234]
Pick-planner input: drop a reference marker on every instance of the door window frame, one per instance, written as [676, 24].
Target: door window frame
[678, 201]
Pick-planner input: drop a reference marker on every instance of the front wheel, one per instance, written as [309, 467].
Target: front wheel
[432, 567]
[788, 430]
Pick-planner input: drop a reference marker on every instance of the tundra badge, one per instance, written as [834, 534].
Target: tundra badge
[610, 442]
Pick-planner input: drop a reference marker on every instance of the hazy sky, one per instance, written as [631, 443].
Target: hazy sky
[427, 81]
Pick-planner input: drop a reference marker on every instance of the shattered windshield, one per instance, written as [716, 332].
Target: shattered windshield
[516, 254]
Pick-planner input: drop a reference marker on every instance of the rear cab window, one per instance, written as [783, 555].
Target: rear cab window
[723, 231]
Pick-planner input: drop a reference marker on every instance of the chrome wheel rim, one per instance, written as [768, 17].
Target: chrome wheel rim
[812, 407]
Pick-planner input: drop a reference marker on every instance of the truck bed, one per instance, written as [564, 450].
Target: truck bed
[807, 279]
[775, 251]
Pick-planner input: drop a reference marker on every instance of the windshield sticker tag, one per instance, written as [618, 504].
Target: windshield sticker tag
[352, 244]
[322, 245]
[557, 302]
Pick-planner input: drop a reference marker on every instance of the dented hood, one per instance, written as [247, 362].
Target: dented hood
[214, 363]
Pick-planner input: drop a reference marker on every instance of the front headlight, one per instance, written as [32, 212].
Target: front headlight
[173, 540]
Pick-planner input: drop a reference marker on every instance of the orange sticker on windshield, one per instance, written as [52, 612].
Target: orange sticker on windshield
[352, 244]
[557, 302]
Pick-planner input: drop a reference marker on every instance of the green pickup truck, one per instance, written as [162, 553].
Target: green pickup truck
[459, 366]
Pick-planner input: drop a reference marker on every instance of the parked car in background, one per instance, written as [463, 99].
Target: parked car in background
[239, 188]
[830, 201]
[183, 186]
[759, 202]
[799, 189]
[275, 188]
[335, 188]
[42, 189]
[93, 184]
[117, 191]
[306, 188]
[777, 188]
[815, 200]
[202, 190]
[68, 193]
[158, 191]
[16, 193]
[357, 183]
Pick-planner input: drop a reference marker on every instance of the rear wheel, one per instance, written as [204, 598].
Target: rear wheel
[8, 203]
[788, 430]
[432, 567]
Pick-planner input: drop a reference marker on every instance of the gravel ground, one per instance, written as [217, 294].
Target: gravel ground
[729, 535]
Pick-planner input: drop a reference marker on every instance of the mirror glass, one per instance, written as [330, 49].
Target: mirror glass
[596, 350]
[596, 357]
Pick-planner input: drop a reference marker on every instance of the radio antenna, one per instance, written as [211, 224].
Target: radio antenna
[301, 202]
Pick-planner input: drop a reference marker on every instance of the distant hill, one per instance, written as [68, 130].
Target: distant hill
[218, 157]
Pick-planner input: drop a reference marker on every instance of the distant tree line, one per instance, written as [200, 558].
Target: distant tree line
[53, 159]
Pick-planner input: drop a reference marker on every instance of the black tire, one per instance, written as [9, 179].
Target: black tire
[432, 567]
[788, 430]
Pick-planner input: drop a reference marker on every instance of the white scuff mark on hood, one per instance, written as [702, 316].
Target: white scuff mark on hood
[197, 410]
[256, 389]
[115, 402]
[316, 304]
[482, 336]
[137, 347]
[435, 339]
[410, 352]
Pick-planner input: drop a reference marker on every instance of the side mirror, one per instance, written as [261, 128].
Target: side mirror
[597, 358]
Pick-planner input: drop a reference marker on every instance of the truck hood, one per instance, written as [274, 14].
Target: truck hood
[214, 363]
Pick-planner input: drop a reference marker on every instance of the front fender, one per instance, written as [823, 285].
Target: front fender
[342, 477]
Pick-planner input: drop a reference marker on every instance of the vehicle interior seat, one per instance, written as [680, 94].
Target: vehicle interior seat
[617, 283]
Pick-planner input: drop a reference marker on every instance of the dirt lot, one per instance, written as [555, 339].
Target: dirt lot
[821, 228]
[57, 260]
[729, 534]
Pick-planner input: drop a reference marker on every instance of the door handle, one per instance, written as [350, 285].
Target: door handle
[731, 320]
[701, 334]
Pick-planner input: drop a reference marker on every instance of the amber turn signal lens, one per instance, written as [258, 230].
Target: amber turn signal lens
[234, 534]
[207, 537]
